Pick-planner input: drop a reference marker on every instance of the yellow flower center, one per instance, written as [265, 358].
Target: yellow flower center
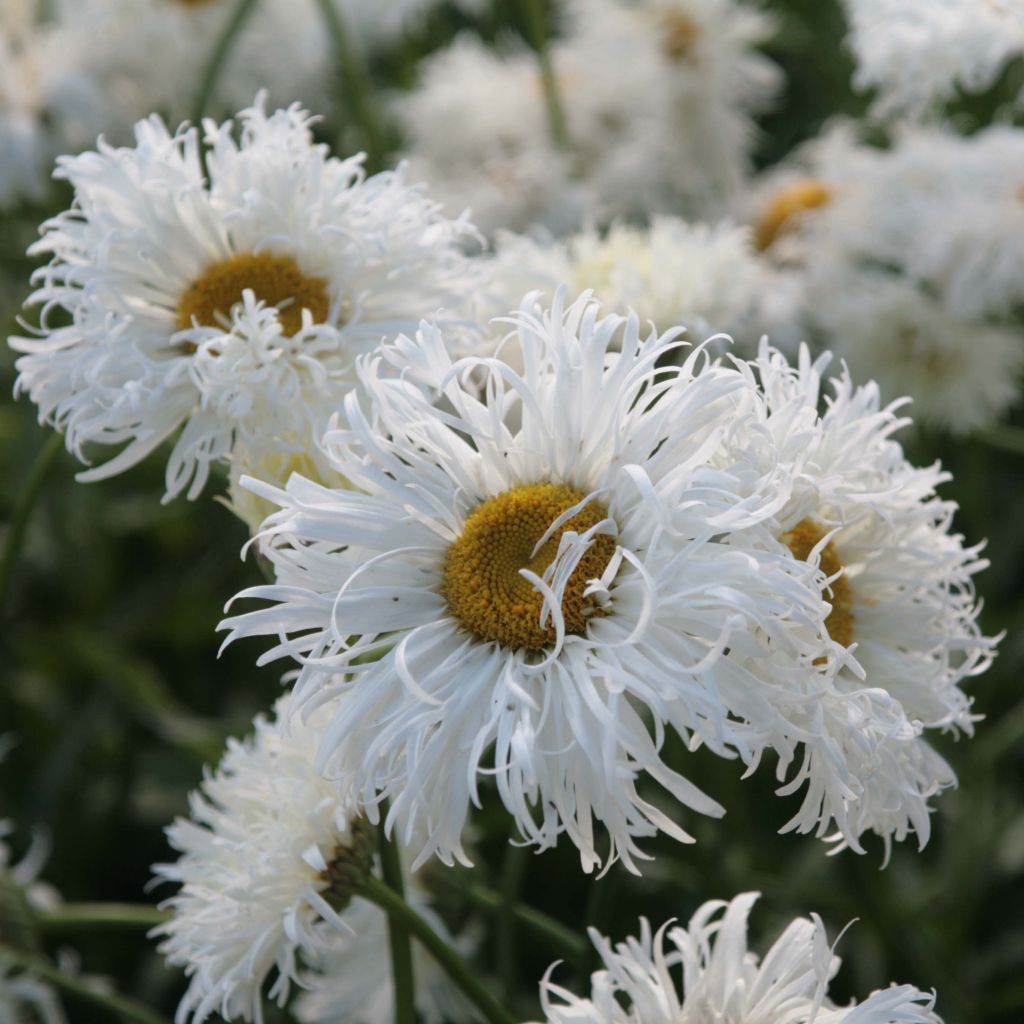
[482, 583]
[784, 213]
[678, 35]
[801, 540]
[275, 280]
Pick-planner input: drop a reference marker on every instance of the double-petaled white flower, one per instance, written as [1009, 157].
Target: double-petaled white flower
[722, 980]
[901, 636]
[224, 307]
[530, 572]
[270, 858]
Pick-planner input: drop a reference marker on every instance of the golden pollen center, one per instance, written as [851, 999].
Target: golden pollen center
[275, 280]
[678, 35]
[801, 540]
[784, 213]
[482, 582]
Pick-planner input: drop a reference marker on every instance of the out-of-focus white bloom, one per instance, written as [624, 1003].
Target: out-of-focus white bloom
[700, 276]
[908, 261]
[152, 54]
[918, 53]
[722, 980]
[270, 855]
[48, 102]
[351, 979]
[962, 375]
[231, 308]
[383, 23]
[657, 97]
[25, 998]
[541, 570]
[476, 129]
[901, 636]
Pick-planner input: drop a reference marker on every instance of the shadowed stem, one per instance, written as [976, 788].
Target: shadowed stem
[100, 916]
[125, 1008]
[537, 23]
[512, 871]
[218, 58]
[457, 969]
[398, 932]
[23, 509]
[357, 84]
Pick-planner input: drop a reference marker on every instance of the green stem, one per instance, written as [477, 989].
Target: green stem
[97, 916]
[492, 1011]
[537, 24]
[23, 509]
[125, 1008]
[358, 89]
[218, 58]
[512, 871]
[398, 932]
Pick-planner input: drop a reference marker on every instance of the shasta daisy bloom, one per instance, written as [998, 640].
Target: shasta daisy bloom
[902, 634]
[919, 53]
[270, 858]
[722, 980]
[540, 571]
[224, 310]
[700, 276]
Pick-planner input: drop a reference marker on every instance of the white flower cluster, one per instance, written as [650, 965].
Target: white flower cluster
[657, 96]
[908, 262]
[522, 577]
[723, 980]
[918, 53]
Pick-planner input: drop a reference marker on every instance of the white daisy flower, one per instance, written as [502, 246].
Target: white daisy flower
[269, 861]
[476, 128]
[963, 375]
[543, 570]
[919, 53]
[351, 979]
[700, 276]
[660, 96]
[722, 980]
[901, 636]
[49, 103]
[152, 54]
[230, 309]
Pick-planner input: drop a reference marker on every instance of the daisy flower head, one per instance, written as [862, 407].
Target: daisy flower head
[270, 858]
[539, 566]
[918, 54]
[722, 979]
[901, 635]
[224, 305]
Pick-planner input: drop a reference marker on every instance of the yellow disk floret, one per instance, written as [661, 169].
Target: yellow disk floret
[784, 212]
[801, 540]
[275, 280]
[679, 34]
[482, 582]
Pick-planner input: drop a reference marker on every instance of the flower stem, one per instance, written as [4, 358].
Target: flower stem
[125, 1008]
[218, 58]
[23, 509]
[97, 916]
[358, 90]
[537, 25]
[398, 932]
[1005, 437]
[457, 969]
[512, 871]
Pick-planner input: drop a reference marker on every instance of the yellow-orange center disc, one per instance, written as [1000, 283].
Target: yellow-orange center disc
[482, 583]
[784, 212]
[678, 35]
[801, 540]
[275, 280]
